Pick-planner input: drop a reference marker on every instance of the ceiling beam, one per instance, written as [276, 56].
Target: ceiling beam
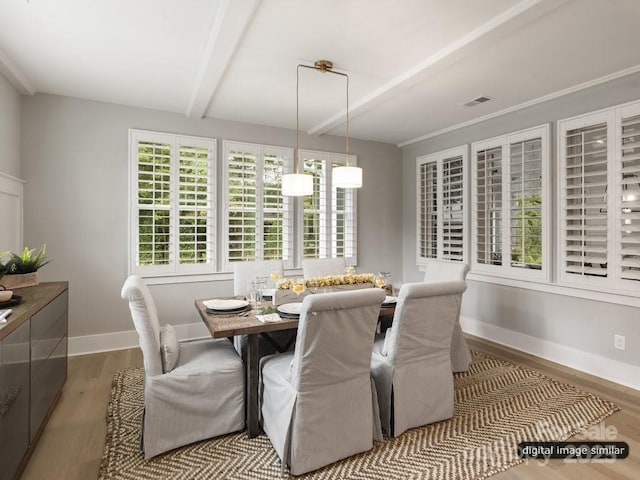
[423, 68]
[232, 19]
[13, 74]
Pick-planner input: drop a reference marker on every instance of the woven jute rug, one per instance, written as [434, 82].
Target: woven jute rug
[497, 405]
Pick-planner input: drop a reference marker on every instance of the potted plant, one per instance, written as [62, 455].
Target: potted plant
[21, 270]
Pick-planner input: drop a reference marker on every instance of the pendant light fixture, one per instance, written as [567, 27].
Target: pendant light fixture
[347, 176]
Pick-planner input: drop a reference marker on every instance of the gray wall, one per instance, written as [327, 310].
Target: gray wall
[9, 129]
[583, 324]
[75, 163]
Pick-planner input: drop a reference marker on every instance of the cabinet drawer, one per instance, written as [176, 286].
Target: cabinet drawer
[42, 321]
[47, 344]
[46, 384]
[14, 400]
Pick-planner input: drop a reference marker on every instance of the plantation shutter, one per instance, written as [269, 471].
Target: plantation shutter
[172, 194]
[154, 225]
[630, 199]
[452, 209]
[329, 215]
[314, 222]
[241, 204]
[258, 217]
[428, 210]
[585, 204]
[488, 207]
[525, 197]
[277, 216]
[343, 222]
[195, 213]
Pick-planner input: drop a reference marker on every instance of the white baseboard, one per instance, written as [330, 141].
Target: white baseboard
[612, 370]
[106, 342]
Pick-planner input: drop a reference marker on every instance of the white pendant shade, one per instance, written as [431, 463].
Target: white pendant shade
[297, 185]
[347, 177]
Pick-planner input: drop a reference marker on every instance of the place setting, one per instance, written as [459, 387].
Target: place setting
[231, 306]
[290, 310]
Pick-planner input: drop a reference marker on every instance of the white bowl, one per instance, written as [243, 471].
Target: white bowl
[5, 295]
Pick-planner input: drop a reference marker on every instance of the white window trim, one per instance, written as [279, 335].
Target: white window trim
[506, 270]
[582, 291]
[612, 284]
[259, 150]
[438, 158]
[581, 121]
[174, 269]
[329, 158]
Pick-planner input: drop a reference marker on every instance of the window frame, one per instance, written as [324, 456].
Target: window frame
[326, 246]
[439, 158]
[613, 282]
[506, 269]
[174, 267]
[260, 151]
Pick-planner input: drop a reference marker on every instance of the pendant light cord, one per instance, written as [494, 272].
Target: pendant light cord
[324, 69]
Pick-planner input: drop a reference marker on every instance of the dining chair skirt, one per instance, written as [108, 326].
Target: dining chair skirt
[202, 397]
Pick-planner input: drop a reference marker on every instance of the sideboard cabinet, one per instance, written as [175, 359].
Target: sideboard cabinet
[33, 369]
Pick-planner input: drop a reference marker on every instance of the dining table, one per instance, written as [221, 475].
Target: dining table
[228, 325]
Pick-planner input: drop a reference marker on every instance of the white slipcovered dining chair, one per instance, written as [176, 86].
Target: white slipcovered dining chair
[442, 271]
[246, 272]
[322, 267]
[411, 363]
[192, 390]
[318, 404]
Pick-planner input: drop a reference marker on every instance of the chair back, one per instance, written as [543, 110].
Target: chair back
[145, 319]
[322, 267]
[444, 271]
[246, 272]
[423, 322]
[335, 337]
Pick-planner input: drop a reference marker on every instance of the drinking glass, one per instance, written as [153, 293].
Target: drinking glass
[396, 288]
[382, 279]
[298, 286]
[255, 295]
[275, 276]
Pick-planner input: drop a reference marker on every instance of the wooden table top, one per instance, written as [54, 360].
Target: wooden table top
[228, 325]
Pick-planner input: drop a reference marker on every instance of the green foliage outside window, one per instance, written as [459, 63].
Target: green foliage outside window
[527, 232]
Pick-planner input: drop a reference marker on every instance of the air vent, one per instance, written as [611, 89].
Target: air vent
[477, 101]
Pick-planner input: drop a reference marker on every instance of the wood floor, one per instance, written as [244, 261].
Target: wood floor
[72, 443]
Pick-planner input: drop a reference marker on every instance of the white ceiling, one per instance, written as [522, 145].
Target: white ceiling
[411, 63]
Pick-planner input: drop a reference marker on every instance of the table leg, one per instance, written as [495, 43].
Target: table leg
[253, 424]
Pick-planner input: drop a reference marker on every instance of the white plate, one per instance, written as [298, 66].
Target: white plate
[390, 299]
[230, 304]
[291, 308]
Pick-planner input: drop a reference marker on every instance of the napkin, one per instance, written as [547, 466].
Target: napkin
[271, 317]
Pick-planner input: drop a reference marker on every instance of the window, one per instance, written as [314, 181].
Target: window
[328, 227]
[172, 215]
[600, 199]
[173, 210]
[510, 212]
[441, 212]
[258, 219]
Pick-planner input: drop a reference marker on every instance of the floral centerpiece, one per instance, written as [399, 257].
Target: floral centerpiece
[328, 281]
